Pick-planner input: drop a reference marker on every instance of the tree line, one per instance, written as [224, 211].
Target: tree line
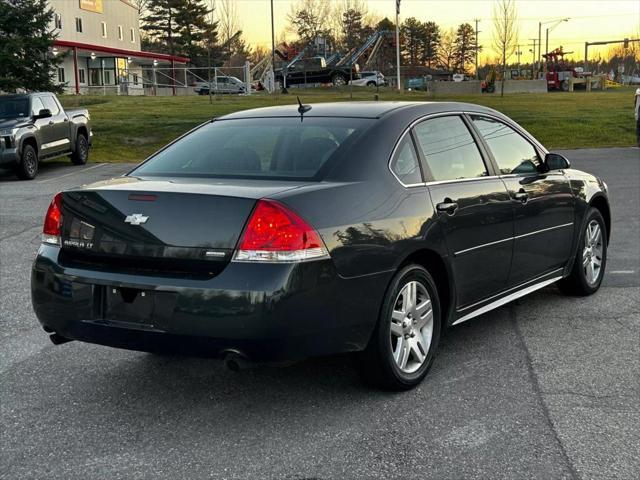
[205, 31]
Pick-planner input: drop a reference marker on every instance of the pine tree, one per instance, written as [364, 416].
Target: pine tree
[464, 47]
[195, 31]
[161, 26]
[352, 28]
[413, 33]
[25, 43]
[430, 43]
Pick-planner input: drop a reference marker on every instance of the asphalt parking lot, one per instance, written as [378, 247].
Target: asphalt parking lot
[547, 387]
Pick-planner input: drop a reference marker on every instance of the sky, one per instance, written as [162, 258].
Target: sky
[589, 20]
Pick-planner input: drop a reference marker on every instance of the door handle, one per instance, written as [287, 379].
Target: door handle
[521, 196]
[447, 206]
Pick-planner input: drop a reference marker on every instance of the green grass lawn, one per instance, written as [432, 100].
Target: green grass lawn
[128, 129]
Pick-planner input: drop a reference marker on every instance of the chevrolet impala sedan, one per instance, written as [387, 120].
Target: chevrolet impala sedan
[286, 232]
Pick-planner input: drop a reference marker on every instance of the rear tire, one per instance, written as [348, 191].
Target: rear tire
[403, 345]
[81, 153]
[591, 258]
[27, 169]
[371, 84]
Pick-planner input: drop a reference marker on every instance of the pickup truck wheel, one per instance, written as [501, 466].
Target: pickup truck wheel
[28, 167]
[338, 80]
[81, 153]
[371, 84]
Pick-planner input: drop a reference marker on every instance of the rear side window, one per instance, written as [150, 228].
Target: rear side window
[449, 149]
[405, 164]
[257, 148]
[512, 152]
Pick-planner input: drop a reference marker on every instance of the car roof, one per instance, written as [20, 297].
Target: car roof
[371, 109]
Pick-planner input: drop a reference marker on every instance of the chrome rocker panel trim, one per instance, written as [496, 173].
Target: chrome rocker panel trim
[509, 298]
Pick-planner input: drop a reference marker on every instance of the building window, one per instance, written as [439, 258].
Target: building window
[104, 29]
[135, 79]
[57, 21]
[78, 25]
[133, 35]
[120, 32]
[61, 74]
[81, 76]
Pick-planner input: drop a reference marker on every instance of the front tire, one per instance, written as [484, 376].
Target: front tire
[591, 258]
[371, 84]
[27, 169]
[339, 81]
[81, 153]
[403, 345]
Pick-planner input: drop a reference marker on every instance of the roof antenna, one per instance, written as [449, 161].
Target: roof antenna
[302, 109]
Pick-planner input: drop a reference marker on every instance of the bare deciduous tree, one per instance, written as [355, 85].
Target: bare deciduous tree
[228, 23]
[505, 33]
[310, 19]
[447, 50]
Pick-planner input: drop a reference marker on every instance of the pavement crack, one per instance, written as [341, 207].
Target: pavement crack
[533, 378]
[12, 235]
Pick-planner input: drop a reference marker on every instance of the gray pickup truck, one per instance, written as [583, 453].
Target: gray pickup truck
[35, 127]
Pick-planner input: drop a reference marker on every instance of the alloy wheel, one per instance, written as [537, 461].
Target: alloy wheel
[592, 252]
[411, 327]
[30, 163]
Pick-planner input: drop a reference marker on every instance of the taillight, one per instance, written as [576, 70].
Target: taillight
[276, 234]
[53, 222]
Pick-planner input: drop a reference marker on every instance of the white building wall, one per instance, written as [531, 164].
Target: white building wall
[115, 13]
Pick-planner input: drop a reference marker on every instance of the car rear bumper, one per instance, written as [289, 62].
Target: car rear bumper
[268, 312]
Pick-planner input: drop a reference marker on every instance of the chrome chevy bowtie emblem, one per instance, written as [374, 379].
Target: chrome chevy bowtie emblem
[136, 219]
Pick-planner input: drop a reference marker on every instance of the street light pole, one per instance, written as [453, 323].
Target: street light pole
[398, 44]
[477, 20]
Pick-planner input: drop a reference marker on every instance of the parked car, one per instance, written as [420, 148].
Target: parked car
[34, 127]
[315, 70]
[286, 232]
[224, 84]
[370, 79]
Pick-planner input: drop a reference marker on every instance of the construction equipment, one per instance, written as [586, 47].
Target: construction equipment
[558, 72]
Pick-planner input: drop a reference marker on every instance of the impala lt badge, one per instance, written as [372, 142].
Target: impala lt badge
[136, 219]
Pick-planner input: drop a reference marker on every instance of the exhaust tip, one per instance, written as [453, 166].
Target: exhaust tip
[236, 361]
[58, 339]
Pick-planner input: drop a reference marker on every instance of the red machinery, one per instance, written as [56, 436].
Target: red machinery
[558, 72]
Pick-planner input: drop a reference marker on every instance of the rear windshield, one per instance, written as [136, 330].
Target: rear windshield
[282, 148]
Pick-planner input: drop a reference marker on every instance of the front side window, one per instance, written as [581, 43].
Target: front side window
[449, 149]
[51, 104]
[513, 154]
[405, 164]
[257, 148]
[36, 106]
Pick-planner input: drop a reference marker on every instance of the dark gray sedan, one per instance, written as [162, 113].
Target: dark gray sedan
[280, 233]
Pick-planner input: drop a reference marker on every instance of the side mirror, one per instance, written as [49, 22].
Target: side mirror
[555, 161]
[44, 113]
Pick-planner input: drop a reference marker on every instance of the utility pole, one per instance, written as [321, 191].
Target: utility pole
[539, 45]
[398, 43]
[273, 52]
[533, 62]
[477, 20]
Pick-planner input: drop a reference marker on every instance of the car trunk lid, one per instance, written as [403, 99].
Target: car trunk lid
[161, 227]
